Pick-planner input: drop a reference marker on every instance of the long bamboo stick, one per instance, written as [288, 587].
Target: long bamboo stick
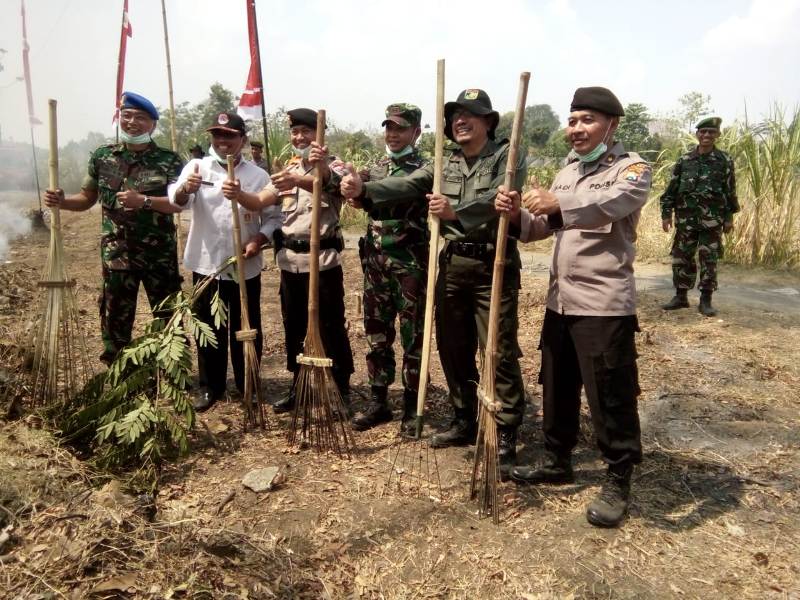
[485, 466]
[433, 251]
[316, 207]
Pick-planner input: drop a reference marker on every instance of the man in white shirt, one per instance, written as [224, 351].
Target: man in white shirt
[204, 188]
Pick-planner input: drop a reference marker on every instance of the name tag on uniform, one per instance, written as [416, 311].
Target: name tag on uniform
[248, 217]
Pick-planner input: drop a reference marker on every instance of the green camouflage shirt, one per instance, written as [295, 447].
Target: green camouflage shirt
[471, 189]
[702, 190]
[137, 238]
[403, 224]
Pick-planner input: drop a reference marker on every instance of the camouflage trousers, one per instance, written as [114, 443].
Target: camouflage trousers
[118, 303]
[393, 290]
[707, 245]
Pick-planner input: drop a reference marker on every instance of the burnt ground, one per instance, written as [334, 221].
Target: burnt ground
[715, 501]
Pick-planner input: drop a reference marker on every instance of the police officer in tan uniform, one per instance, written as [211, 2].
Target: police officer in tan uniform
[587, 337]
[292, 190]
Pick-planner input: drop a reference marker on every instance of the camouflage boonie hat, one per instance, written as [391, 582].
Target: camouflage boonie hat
[403, 114]
[709, 123]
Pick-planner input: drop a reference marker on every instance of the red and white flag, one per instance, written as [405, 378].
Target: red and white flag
[27, 68]
[251, 103]
[127, 31]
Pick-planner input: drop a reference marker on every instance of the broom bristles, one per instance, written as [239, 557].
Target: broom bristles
[485, 468]
[254, 411]
[414, 469]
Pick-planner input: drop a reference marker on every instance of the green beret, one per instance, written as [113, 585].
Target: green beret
[403, 114]
[597, 98]
[709, 123]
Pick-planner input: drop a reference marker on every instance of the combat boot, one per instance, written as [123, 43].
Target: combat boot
[375, 412]
[679, 300]
[286, 404]
[462, 431]
[408, 425]
[506, 450]
[705, 308]
[554, 468]
[611, 505]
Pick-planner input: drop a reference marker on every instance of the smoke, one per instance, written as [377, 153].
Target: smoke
[12, 225]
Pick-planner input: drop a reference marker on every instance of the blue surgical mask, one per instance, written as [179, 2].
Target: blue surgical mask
[593, 155]
[302, 153]
[401, 153]
[127, 138]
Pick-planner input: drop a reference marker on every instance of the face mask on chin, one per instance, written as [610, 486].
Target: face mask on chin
[400, 153]
[127, 138]
[222, 160]
[597, 152]
[302, 152]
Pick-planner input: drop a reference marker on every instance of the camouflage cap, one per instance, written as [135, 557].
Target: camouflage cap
[403, 114]
[709, 123]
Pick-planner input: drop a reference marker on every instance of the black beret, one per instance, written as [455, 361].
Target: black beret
[302, 116]
[256, 144]
[597, 98]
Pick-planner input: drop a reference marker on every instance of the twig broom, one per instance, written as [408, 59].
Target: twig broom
[319, 412]
[60, 367]
[411, 463]
[485, 470]
[254, 413]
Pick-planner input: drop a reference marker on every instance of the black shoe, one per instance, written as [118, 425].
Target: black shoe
[205, 399]
[373, 414]
[506, 450]
[611, 505]
[679, 300]
[462, 432]
[705, 308]
[286, 404]
[408, 424]
[554, 469]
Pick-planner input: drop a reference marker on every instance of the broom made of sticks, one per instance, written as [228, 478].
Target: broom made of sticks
[320, 417]
[60, 367]
[254, 412]
[412, 462]
[485, 470]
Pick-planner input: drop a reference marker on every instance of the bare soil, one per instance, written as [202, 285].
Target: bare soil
[715, 501]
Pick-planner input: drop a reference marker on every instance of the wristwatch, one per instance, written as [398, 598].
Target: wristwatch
[148, 203]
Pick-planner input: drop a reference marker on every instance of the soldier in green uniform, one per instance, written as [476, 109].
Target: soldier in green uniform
[702, 196]
[394, 258]
[471, 176]
[138, 244]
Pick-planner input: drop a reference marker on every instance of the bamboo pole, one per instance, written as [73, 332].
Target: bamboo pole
[172, 131]
[252, 381]
[485, 467]
[433, 251]
[319, 413]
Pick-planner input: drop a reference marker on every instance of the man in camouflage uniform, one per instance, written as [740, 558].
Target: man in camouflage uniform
[702, 196]
[470, 178]
[138, 244]
[394, 258]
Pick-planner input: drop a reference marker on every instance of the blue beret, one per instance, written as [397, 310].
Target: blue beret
[131, 100]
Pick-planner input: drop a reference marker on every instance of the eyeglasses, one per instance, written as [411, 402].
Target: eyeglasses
[134, 117]
[462, 113]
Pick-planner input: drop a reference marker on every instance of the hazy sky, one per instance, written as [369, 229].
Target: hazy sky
[355, 57]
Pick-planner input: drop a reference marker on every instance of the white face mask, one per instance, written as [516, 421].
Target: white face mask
[142, 138]
[302, 152]
[400, 153]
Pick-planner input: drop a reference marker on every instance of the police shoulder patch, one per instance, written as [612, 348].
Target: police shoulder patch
[634, 172]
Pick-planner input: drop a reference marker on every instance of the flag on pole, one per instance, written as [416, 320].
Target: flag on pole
[251, 103]
[127, 31]
[27, 68]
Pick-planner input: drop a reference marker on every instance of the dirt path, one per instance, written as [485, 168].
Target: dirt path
[715, 509]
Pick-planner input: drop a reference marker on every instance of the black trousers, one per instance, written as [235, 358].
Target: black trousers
[463, 294]
[598, 353]
[333, 329]
[212, 363]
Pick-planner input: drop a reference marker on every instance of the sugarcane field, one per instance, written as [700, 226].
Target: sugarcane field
[417, 312]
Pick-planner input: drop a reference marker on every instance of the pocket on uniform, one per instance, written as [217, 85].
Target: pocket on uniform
[451, 188]
[617, 375]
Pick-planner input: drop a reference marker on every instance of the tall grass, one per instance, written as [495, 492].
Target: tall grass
[767, 158]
